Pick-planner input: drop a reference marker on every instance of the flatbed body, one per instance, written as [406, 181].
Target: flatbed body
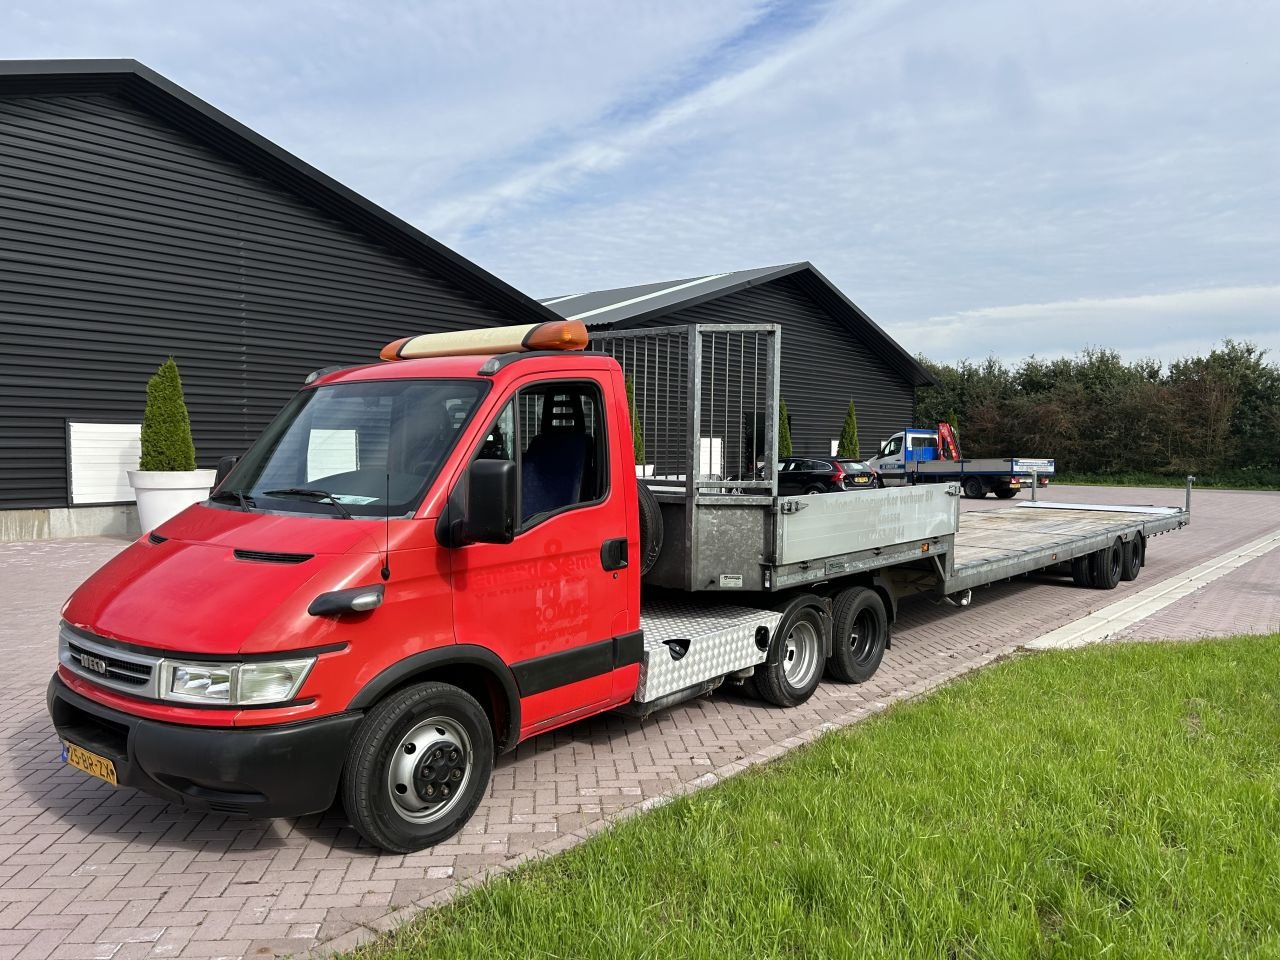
[992, 545]
[912, 540]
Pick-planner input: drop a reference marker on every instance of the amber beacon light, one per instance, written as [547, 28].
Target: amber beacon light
[553, 335]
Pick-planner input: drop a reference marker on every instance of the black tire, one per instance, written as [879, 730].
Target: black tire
[973, 488]
[1081, 572]
[1105, 565]
[650, 528]
[797, 652]
[1135, 556]
[448, 734]
[1006, 492]
[859, 635]
[815, 488]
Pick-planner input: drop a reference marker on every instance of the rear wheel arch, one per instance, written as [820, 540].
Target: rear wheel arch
[477, 670]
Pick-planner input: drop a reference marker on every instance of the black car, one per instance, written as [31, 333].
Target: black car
[825, 475]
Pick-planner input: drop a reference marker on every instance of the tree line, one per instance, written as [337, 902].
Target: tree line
[1214, 415]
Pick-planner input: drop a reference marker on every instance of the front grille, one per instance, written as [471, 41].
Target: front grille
[264, 556]
[124, 671]
[103, 662]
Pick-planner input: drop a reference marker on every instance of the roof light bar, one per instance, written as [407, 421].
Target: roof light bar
[552, 335]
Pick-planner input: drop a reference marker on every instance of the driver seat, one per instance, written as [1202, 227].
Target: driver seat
[559, 461]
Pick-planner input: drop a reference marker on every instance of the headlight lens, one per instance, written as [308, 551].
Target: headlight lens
[234, 684]
[200, 682]
[271, 682]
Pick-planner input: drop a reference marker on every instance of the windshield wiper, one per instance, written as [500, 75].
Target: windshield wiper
[320, 495]
[246, 503]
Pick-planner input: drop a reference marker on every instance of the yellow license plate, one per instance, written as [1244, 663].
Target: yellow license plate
[861, 479]
[90, 763]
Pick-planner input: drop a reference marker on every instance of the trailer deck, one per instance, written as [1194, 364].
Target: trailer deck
[993, 545]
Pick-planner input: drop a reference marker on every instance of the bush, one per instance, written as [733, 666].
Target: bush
[166, 428]
[784, 429]
[637, 431]
[848, 446]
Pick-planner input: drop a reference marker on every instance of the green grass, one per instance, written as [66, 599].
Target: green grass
[1224, 480]
[1118, 801]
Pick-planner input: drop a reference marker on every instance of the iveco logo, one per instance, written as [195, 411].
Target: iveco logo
[96, 664]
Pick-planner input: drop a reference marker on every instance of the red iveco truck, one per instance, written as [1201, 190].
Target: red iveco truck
[425, 561]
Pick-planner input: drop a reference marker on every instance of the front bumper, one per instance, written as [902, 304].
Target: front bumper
[274, 771]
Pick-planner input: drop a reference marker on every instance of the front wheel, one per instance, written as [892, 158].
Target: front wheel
[418, 767]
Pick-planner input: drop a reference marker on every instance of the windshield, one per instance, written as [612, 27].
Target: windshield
[352, 441]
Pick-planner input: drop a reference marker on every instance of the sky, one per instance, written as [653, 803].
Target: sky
[992, 177]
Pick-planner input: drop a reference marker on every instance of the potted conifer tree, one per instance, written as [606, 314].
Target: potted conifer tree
[167, 481]
[637, 433]
[848, 445]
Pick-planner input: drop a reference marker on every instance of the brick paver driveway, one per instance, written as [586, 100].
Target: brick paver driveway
[88, 871]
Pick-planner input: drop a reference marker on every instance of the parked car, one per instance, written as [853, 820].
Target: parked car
[824, 475]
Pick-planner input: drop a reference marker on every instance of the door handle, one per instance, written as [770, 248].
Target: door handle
[613, 553]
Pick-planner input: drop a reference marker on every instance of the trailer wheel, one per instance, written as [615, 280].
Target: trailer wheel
[1006, 492]
[797, 651]
[1135, 557]
[1080, 571]
[1105, 565]
[973, 488]
[859, 635]
[650, 528]
[418, 767]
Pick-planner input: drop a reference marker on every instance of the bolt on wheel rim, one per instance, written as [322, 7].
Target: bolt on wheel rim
[801, 654]
[429, 770]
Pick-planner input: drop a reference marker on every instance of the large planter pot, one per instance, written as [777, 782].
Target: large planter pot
[163, 494]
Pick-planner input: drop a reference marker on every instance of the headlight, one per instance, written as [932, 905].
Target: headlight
[234, 684]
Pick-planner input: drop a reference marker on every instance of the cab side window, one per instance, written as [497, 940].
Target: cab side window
[555, 433]
[893, 447]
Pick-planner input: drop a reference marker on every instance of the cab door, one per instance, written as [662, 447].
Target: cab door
[548, 602]
[891, 462]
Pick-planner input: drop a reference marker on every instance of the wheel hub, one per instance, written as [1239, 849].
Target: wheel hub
[439, 771]
[801, 653]
[429, 769]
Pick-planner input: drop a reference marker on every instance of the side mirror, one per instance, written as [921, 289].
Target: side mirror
[225, 466]
[490, 515]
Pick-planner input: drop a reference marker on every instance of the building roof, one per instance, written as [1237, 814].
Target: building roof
[631, 306]
[159, 96]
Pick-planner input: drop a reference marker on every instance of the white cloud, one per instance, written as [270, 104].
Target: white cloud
[1165, 326]
[931, 159]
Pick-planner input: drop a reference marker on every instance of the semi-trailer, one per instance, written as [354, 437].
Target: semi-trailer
[424, 561]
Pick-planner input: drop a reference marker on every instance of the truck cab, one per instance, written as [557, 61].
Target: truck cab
[418, 564]
[904, 447]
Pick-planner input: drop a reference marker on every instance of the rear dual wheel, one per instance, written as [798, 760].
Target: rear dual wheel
[973, 488]
[859, 635]
[797, 651]
[1135, 557]
[1105, 566]
[1102, 569]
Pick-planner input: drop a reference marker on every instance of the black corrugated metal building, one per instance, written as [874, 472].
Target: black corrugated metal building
[138, 222]
[832, 352]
